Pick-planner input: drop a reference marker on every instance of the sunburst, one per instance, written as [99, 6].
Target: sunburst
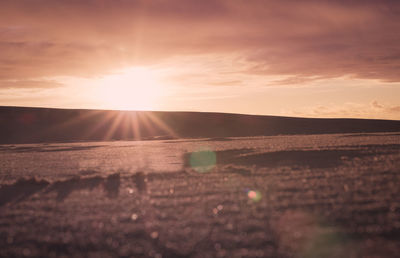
[136, 88]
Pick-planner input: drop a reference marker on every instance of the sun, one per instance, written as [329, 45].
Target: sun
[135, 88]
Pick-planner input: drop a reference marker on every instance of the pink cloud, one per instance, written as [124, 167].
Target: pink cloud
[352, 110]
[301, 39]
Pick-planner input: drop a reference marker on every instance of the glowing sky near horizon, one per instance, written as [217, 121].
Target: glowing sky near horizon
[293, 58]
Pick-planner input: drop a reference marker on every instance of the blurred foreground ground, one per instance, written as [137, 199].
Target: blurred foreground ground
[280, 196]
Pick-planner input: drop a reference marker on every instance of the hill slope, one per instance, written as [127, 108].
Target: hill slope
[31, 125]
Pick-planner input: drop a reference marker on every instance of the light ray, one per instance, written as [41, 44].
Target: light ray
[146, 122]
[76, 120]
[113, 127]
[134, 123]
[161, 124]
[108, 118]
[125, 125]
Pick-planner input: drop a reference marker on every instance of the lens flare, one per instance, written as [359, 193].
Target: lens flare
[203, 161]
[254, 195]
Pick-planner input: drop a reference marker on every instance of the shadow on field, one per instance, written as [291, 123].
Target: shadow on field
[66, 187]
[324, 158]
[111, 185]
[42, 148]
[21, 190]
[294, 158]
[369, 134]
[24, 188]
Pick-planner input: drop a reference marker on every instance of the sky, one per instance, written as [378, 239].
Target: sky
[309, 58]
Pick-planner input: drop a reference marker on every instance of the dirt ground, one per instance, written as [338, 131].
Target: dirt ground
[325, 196]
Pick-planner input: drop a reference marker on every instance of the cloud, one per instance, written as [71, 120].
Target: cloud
[386, 108]
[294, 80]
[298, 39]
[351, 110]
[26, 84]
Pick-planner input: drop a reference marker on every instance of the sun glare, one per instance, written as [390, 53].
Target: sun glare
[132, 89]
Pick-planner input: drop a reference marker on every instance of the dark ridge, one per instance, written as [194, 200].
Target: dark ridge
[34, 125]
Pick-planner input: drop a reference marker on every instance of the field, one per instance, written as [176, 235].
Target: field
[329, 195]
